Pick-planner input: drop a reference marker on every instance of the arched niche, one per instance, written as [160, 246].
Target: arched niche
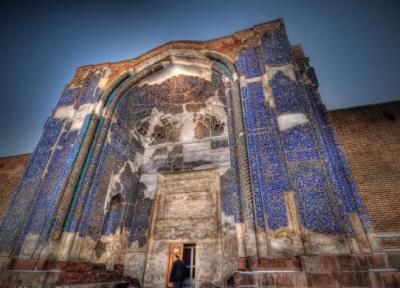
[174, 116]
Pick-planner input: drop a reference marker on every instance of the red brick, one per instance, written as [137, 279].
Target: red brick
[22, 264]
[79, 267]
[346, 263]
[320, 279]
[361, 263]
[370, 140]
[388, 279]
[345, 279]
[242, 263]
[311, 264]
[11, 170]
[269, 263]
[74, 278]
[377, 261]
[363, 279]
[394, 258]
[328, 263]
[266, 279]
[300, 279]
[243, 279]
[284, 280]
[119, 268]
[252, 263]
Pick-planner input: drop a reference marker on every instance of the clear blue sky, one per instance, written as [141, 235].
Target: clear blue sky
[353, 45]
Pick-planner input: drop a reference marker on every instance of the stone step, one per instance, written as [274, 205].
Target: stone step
[320, 263]
[275, 264]
[355, 262]
[379, 278]
[39, 278]
[118, 284]
[244, 279]
[356, 270]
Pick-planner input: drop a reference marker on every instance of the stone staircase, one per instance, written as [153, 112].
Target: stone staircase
[22, 273]
[330, 271]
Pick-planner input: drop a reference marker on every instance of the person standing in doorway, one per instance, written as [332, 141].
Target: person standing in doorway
[178, 272]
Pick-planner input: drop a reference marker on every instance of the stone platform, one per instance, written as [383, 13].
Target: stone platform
[27, 273]
[371, 270]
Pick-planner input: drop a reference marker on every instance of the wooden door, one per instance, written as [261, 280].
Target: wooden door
[174, 249]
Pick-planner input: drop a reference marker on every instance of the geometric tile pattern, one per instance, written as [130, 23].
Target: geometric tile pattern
[228, 184]
[92, 91]
[39, 193]
[267, 167]
[315, 200]
[14, 218]
[248, 63]
[276, 47]
[337, 167]
[68, 96]
[112, 220]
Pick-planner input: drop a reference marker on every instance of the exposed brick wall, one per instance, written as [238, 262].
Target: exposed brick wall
[11, 169]
[370, 136]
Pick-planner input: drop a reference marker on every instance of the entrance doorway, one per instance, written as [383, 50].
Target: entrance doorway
[189, 257]
[186, 211]
[187, 253]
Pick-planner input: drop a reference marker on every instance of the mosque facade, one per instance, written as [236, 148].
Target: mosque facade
[220, 152]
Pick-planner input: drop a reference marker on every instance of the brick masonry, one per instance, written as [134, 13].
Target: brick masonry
[370, 137]
[11, 169]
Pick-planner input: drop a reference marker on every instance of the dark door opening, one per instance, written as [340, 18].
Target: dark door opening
[189, 258]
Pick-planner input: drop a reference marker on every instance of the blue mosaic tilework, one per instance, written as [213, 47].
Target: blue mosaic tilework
[113, 158]
[248, 63]
[338, 182]
[47, 192]
[92, 217]
[133, 107]
[51, 131]
[121, 149]
[42, 218]
[140, 220]
[112, 220]
[228, 187]
[78, 201]
[308, 174]
[257, 114]
[337, 168]
[267, 167]
[68, 96]
[235, 195]
[276, 47]
[90, 91]
[287, 95]
[301, 152]
[24, 194]
[120, 143]
[301, 155]
[299, 143]
[299, 138]
[217, 144]
[316, 211]
[311, 186]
